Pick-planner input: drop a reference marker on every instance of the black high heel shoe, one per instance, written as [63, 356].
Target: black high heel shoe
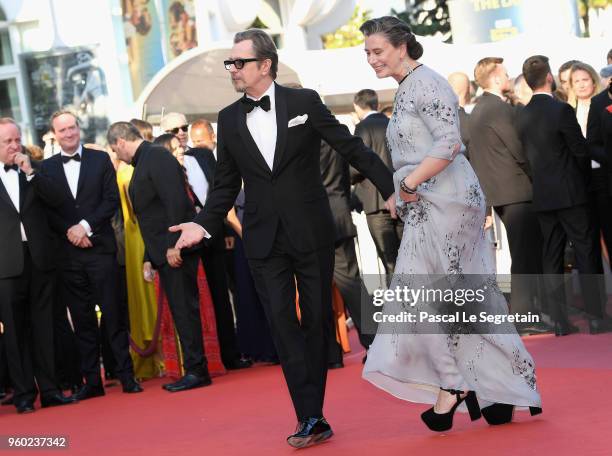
[498, 413]
[441, 422]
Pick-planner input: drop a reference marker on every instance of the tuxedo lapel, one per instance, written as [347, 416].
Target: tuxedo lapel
[281, 126]
[5, 196]
[85, 155]
[61, 174]
[243, 130]
[23, 184]
[202, 161]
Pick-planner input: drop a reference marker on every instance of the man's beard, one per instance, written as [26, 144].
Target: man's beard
[239, 89]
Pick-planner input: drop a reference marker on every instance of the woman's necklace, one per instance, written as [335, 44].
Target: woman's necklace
[410, 72]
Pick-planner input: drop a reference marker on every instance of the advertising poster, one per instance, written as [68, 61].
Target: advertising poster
[70, 79]
[142, 30]
[180, 25]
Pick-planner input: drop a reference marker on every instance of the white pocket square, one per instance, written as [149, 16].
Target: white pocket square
[299, 120]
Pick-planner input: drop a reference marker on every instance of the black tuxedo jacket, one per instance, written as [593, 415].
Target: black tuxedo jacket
[158, 191]
[97, 201]
[33, 196]
[373, 131]
[337, 182]
[557, 152]
[292, 192]
[599, 132]
[496, 152]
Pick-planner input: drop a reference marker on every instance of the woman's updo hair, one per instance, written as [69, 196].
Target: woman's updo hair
[396, 31]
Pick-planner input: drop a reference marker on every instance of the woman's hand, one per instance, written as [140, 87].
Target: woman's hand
[408, 197]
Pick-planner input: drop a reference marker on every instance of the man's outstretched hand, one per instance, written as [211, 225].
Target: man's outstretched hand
[191, 234]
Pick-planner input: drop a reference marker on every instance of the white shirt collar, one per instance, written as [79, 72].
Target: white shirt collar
[543, 93]
[369, 113]
[79, 151]
[271, 93]
[496, 94]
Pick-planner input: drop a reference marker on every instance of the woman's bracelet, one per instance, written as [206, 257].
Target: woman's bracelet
[406, 189]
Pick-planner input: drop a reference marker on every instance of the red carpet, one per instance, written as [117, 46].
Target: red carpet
[249, 412]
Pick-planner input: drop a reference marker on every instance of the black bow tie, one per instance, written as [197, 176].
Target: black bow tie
[250, 104]
[7, 168]
[188, 152]
[67, 158]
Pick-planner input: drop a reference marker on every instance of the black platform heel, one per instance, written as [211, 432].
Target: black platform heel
[441, 422]
[498, 413]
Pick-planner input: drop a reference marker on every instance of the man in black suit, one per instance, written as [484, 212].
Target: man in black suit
[386, 231]
[460, 82]
[27, 274]
[200, 166]
[271, 138]
[599, 138]
[496, 153]
[158, 192]
[559, 160]
[336, 180]
[88, 267]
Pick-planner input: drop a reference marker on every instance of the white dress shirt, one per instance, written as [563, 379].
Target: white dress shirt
[196, 177]
[10, 180]
[262, 126]
[72, 169]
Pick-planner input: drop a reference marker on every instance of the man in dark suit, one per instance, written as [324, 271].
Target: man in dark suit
[599, 138]
[460, 82]
[496, 153]
[27, 274]
[158, 192]
[559, 160]
[336, 180]
[88, 267]
[200, 166]
[271, 138]
[386, 231]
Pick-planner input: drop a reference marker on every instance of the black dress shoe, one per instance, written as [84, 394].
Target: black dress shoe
[131, 386]
[2, 393]
[189, 381]
[565, 329]
[533, 329]
[56, 399]
[7, 401]
[24, 407]
[337, 365]
[310, 432]
[599, 325]
[75, 388]
[88, 391]
[238, 363]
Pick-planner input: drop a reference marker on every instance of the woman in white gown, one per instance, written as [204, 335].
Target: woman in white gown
[443, 208]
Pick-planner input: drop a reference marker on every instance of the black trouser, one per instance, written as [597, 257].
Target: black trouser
[301, 345]
[525, 244]
[89, 279]
[352, 288]
[26, 310]
[387, 235]
[600, 204]
[572, 223]
[67, 358]
[213, 259]
[181, 288]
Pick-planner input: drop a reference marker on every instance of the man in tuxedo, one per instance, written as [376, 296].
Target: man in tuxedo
[460, 82]
[27, 274]
[496, 153]
[200, 166]
[88, 267]
[271, 139]
[559, 160]
[158, 192]
[386, 231]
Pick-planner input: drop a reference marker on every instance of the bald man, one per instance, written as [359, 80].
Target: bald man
[203, 135]
[460, 82]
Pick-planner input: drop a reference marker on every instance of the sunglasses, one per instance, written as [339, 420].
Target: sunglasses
[238, 63]
[183, 128]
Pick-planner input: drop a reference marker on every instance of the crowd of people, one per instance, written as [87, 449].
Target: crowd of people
[211, 251]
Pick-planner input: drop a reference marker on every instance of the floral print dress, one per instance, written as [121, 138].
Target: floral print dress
[443, 237]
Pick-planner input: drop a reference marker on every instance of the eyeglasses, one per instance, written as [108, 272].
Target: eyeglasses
[238, 63]
[183, 128]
